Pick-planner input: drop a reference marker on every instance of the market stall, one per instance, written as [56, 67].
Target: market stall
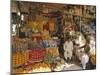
[43, 35]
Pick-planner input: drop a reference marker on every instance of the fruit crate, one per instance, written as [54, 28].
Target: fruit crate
[20, 58]
[37, 55]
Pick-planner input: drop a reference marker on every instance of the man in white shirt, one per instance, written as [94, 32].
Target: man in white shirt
[68, 49]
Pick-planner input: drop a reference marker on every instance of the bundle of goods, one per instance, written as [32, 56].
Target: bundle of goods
[55, 62]
[35, 27]
[48, 58]
[46, 34]
[53, 51]
[52, 47]
[36, 55]
[20, 58]
[39, 67]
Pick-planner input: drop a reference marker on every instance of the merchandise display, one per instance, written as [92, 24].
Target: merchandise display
[20, 58]
[51, 37]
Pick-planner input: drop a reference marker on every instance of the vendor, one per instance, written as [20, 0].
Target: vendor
[80, 42]
[68, 49]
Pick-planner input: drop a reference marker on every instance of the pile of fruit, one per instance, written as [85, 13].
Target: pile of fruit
[53, 51]
[20, 58]
[39, 67]
[36, 55]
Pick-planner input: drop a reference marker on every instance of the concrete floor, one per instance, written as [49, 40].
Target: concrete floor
[73, 67]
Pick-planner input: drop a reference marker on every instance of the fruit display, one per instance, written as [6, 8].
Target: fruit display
[46, 35]
[20, 58]
[36, 55]
[39, 67]
[53, 51]
[43, 29]
[48, 58]
[42, 67]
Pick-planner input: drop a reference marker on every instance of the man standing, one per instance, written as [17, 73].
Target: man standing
[68, 49]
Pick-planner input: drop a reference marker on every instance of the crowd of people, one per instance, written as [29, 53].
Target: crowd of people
[79, 48]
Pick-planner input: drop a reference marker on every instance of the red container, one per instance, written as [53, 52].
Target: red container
[36, 55]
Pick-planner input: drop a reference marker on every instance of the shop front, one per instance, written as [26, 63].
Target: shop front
[49, 37]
